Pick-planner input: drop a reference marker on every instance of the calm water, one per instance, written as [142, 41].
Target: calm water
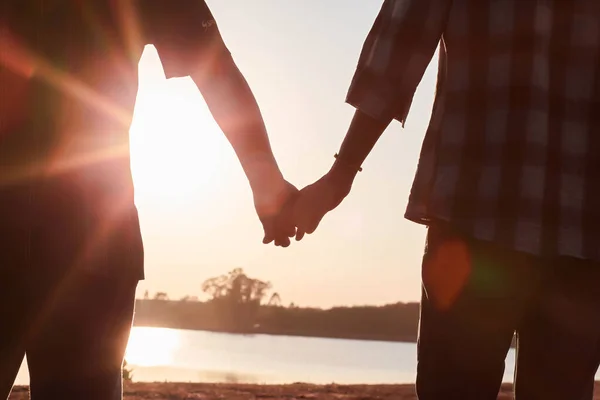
[158, 354]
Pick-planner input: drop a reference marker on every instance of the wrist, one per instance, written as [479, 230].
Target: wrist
[264, 175]
[345, 167]
[342, 174]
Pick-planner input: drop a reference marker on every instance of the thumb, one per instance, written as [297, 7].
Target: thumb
[313, 223]
[306, 213]
[308, 223]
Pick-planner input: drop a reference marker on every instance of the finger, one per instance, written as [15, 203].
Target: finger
[300, 217]
[308, 214]
[285, 225]
[315, 222]
[282, 241]
[287, 220]
[312, 226]
[281, 237]
[309, 222]
[304, 225]
[290, 230]
[269, 235]
[267, 239]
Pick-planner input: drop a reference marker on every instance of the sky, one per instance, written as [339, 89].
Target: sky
[195, 204]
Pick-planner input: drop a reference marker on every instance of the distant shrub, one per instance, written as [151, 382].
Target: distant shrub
[127, 372]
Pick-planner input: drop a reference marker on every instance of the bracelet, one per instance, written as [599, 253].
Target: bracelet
[359, 168]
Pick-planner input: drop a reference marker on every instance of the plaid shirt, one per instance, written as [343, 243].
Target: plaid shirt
[512, 152]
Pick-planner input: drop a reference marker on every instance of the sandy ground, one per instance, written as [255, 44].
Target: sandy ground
[199, 391]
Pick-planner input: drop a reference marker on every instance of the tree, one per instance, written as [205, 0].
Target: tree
[275, 300]
[161, 296]
[237, 286]
[238, 296]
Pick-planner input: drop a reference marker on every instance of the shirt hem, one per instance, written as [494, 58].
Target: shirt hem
[428, 219]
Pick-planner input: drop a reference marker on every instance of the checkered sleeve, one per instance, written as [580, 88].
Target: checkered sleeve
[395, 56]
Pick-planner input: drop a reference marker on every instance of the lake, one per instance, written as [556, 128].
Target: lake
[160, 354]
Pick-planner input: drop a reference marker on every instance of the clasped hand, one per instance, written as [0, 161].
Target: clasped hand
[290, 212]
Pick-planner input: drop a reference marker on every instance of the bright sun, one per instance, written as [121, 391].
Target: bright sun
[176, 147]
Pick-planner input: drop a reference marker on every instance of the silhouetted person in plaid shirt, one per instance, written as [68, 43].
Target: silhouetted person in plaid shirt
[507, 184]
[71, 252]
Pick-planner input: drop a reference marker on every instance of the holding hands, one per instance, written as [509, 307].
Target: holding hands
[288, 212]
[274, 208]
[294, 213]
[316, 200]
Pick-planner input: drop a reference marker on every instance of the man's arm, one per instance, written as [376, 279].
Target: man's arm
[393, 60]
[362, 135]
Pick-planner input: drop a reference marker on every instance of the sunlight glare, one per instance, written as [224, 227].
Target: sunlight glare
[152, 346]
[176, 146]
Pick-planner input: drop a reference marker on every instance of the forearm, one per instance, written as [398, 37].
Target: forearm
[362, 135]
[234, 108]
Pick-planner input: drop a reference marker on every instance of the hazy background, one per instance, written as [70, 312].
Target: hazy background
[195, 204]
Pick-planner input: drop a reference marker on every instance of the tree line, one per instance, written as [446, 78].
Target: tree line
[241, 304]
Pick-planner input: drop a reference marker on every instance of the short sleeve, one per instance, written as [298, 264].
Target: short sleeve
[184, 33]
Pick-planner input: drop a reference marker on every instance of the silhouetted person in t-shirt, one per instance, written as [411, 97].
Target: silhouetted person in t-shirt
[71, 252]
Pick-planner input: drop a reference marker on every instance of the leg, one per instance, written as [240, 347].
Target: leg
[16, 300]
[13, 314]
[589, 391]
[78, 353]
[559, 339]
[474, 295]
[91, 253]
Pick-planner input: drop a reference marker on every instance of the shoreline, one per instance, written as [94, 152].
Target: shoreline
[370, 338]
[209, 391]
[397, 322]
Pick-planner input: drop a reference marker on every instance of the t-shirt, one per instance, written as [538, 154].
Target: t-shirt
[69, 77]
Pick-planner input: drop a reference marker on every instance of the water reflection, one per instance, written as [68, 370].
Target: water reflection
[158, 354]
[152, 346]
